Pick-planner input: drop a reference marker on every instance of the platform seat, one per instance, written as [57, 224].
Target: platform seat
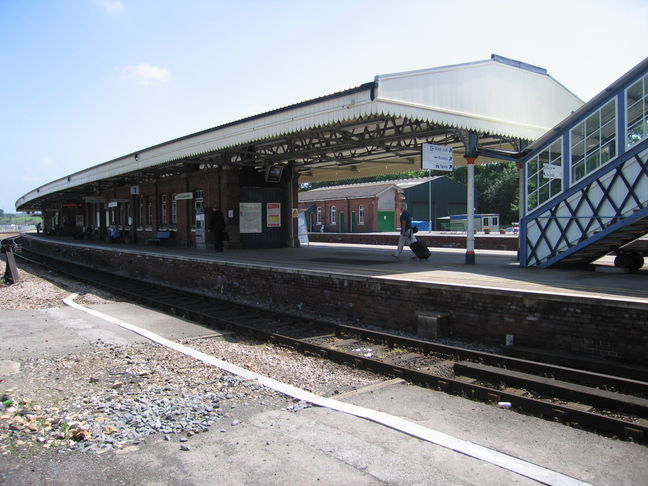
[159, 236]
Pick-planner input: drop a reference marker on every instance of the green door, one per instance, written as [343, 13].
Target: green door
[341, 223]
[386, 221]
[353, 222]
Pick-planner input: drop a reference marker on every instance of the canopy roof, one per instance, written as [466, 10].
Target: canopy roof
[375, 128]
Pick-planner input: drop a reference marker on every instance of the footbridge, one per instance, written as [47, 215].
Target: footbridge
[586, 181]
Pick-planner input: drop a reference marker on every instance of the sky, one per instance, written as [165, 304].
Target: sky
[86, 81]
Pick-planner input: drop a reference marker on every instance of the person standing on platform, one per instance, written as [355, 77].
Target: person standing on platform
[405, 236]
[218, 227]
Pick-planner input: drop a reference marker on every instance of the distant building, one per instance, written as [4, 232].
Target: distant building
[374, 207]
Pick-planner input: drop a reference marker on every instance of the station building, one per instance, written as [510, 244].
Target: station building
[375, 207]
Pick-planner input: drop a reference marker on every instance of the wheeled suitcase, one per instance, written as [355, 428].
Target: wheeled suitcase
[420, 250]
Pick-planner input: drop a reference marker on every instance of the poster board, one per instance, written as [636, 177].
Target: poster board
[302, 228]
[273, 215]
[250, 217]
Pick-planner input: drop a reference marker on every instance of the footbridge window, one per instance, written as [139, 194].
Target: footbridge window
[333, 215]
[593, 141]
[637, 111]
[544, 175]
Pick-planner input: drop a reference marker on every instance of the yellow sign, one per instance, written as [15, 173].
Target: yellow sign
[295, 213]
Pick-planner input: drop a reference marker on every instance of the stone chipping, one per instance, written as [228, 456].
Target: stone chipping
[113, 397]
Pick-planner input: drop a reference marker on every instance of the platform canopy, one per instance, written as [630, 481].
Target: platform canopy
[376, 128]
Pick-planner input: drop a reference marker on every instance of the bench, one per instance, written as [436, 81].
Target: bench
[159, 236]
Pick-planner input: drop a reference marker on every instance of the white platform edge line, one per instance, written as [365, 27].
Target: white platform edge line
[510, 463]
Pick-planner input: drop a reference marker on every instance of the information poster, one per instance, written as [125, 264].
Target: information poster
[303, 228]
[250, 217]
[273, 215]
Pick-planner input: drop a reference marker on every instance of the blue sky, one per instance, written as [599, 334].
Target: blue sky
[86, 81]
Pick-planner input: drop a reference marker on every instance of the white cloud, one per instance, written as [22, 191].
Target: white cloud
[145, 74]
[110, 6]
[46, 161]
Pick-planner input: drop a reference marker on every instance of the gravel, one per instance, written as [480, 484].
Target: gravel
[114, 397]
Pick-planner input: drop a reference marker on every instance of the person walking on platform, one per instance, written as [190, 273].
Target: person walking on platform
[218, 227]
[405, 237]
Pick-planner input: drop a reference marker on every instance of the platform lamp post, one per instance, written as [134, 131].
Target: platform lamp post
[471, 157]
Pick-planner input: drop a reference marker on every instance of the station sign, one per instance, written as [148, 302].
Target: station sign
[182, 196]
[550, 171]
[436, 157]
[134, 190]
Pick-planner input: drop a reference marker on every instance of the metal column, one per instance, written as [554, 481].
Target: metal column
[471, 157]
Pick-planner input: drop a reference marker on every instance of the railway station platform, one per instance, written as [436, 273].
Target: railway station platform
[595, 310]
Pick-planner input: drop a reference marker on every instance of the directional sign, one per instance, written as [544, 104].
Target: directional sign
[550, 171]
[437, 157]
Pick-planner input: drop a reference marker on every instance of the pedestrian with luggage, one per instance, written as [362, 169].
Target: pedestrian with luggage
[405, 237]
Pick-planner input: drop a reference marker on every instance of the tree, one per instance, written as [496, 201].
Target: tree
[496, 188]
[1, 212]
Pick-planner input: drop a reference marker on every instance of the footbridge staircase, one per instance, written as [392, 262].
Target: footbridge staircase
[586, 181]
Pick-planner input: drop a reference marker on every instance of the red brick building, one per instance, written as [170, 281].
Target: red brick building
[354, 208]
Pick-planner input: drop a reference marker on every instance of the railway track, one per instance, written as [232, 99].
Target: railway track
[611, 405]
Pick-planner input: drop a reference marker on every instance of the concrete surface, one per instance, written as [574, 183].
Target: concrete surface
[493, 269]
[311, 446]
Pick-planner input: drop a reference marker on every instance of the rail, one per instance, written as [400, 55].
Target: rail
[435, 365]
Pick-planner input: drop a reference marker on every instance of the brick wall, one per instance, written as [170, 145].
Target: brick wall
[591, 326]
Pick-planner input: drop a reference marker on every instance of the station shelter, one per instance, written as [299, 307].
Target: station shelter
[249, 170]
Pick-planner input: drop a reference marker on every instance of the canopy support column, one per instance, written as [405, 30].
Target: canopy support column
[471, 157]
[521, 201]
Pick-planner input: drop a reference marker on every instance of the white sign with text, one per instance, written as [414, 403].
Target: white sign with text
[436, 157]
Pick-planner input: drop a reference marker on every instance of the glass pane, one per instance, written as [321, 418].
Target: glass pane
[592, 123]
[608, 132]
[556, 149]
[592, 142]
[544, 157]
[634, 93]
[556, 186]
[578, 151]
[543, 193]
[577, 133]
[532, 201]
[635, 134]
[607, 153]
[635, 113]
[533, 166]
[607, 113]
[579, 171]
[592, 162]
[532, 183]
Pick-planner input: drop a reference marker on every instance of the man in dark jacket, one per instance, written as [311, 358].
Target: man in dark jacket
[218, 227]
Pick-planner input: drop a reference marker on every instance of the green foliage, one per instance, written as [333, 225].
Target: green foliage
[19, 219]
